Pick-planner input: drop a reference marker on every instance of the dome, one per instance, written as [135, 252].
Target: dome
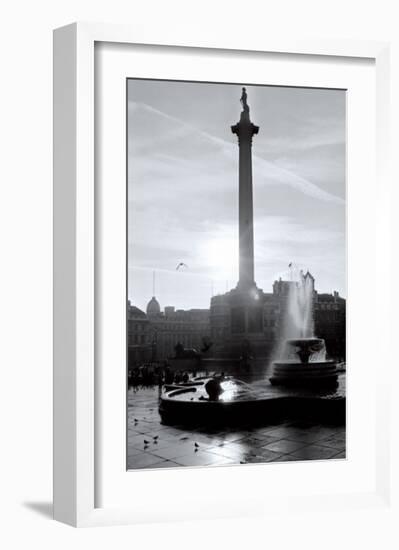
[153, 307]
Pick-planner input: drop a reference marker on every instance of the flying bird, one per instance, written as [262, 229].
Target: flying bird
[146, 442]
[181, 264]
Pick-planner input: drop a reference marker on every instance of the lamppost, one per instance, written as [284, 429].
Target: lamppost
[154, 342]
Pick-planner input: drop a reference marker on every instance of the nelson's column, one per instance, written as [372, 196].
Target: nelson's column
[237, 316]
[244, 131]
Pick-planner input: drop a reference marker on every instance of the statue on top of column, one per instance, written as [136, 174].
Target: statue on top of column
[243, 100]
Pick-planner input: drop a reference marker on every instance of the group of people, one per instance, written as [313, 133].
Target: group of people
[146, 374]
[155, 374]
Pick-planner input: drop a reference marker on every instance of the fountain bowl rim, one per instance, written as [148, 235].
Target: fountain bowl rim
[287, 362]
[308, 339]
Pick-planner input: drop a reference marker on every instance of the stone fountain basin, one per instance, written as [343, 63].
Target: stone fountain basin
[312, 365]
[312, 369]
[256, 403]
[313, 341]
[294, 373]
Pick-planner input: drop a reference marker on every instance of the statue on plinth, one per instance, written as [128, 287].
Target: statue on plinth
[243, 100]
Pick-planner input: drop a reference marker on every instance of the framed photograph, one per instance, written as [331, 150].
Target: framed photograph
[230, 372]
[220, 217]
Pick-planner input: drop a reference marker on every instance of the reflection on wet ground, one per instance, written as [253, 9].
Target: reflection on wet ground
[241, 390]
[153, 445]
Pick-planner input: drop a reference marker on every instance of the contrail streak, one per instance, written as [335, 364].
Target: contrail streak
[265, 171]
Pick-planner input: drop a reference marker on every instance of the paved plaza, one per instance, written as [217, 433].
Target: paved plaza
[153, 445]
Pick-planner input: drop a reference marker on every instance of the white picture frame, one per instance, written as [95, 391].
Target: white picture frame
[75, 233]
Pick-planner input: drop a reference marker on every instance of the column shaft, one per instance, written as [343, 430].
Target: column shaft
[246, 230]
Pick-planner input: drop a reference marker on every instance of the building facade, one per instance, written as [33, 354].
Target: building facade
[265, 322]
[153, 335]
[330, 323]
[218, 331]
[138, 336]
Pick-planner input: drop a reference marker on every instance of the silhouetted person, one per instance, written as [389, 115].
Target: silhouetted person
[179, 350]
[168, 376]
[178, 377]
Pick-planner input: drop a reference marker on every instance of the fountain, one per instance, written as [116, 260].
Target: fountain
[302, 360]
[304, 364]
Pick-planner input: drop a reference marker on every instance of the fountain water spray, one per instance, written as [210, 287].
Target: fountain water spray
[302, 356]
[299, 321]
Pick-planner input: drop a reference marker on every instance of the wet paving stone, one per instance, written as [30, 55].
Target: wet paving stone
[334, 442]
[203, 458]
[152, 445]
[314, 452]
[132, 451]
[284, 446]
[175, 450]
[143, 460]
[165, 464]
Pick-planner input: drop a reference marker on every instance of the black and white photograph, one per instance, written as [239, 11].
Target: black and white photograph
[236, 274]
[199, 213]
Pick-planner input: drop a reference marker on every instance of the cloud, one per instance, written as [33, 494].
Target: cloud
[147, 159]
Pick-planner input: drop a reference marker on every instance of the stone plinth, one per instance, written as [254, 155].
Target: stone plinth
[238, 318]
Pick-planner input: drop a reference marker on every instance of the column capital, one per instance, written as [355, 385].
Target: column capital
[245, 129]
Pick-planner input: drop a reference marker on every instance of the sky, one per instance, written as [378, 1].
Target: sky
[183, 188]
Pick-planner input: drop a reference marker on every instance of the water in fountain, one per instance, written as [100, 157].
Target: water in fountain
[299, 321]
[299, 315]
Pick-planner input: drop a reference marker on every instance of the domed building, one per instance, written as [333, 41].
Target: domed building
[156, 333]
[153, 308]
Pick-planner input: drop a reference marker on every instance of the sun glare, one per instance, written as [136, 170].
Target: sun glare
[221, 256]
